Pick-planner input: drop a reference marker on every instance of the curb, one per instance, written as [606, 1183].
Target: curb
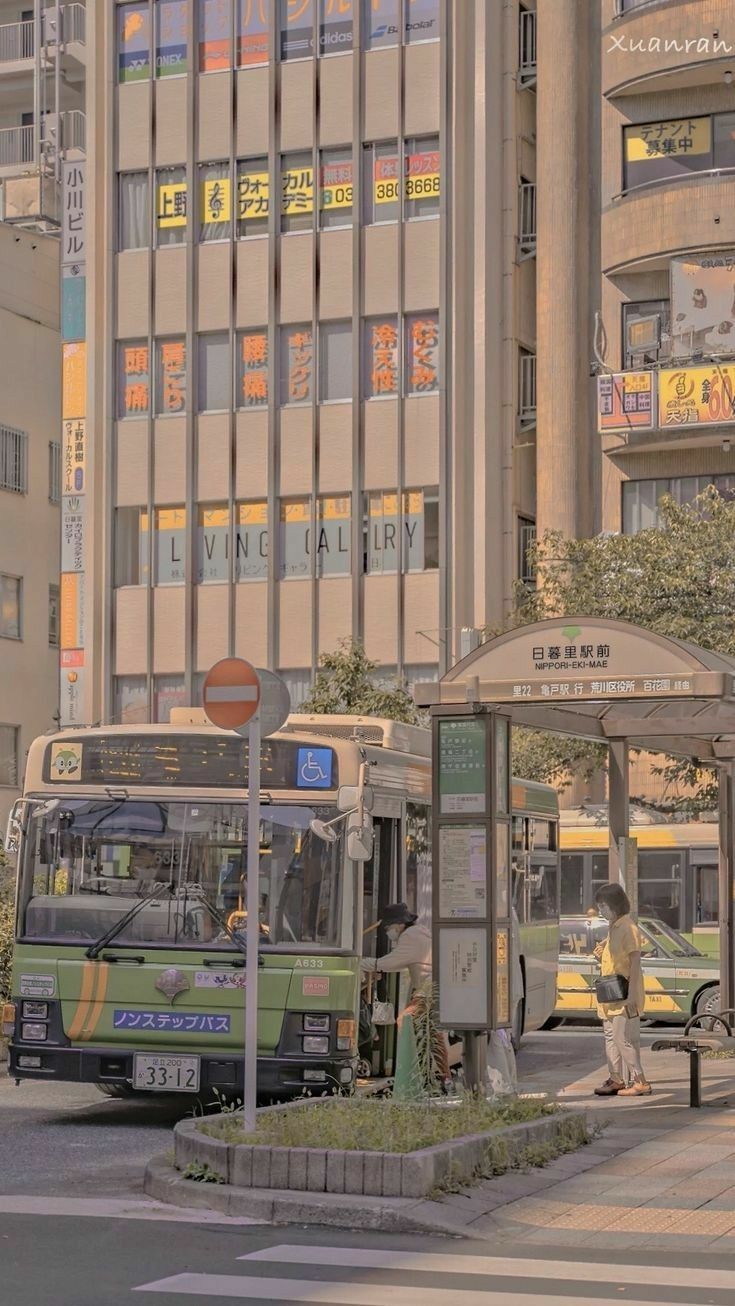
[273, 1206]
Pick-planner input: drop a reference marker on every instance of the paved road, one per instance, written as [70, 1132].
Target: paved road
[121, 1263]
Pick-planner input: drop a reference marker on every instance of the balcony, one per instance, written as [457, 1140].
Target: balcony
[17, 43]
[646, 226]
[527, 48]
[17, 144]
[527, 219]
[658, 45]
[18, 40]
[526, 389]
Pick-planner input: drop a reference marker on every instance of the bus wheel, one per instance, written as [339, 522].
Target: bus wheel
[708, 1003]
[116, 1090]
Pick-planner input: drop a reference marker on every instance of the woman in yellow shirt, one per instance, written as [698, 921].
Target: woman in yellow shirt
[621, 955]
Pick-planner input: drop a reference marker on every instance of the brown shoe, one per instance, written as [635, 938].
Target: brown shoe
[610, 1088]
[639, 1088]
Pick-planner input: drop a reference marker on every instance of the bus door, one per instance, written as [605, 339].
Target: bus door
[380, 887]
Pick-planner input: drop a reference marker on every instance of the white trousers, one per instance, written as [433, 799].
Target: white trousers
[623, 1047]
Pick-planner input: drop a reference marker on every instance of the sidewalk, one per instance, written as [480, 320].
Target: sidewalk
[659, 1176]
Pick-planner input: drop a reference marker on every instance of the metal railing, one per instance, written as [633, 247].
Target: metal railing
[526, 540]
[526, 386]
[527, 47]
[16, 146]
[13, 460]
[527, 217]
[73, 130]
[54, 471]
[624, 6]
[17, 41]
[73, 23]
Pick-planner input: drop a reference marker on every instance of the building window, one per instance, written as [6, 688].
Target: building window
[297, 192]
[333, 535]
[295, 532]
[13, 460]
[381, 24]
[251, 541]
[131, 547]
[215, 207]
[213, 543]
[253, 23]
[9, 749]
[171, 37]
[380, 363]
[296, 365]
[129, 701]
[642, 499]
[170, 377]
[335, 361]
[422, 21]
[171, 206]
[169, 546]
[133, 42]
[133, 211]
[421, 353]
[526, 385]
[11, 604]
[53, 616]
[335, 188]
[646, 332]
[253, 191]
[299, 683]
[168, 692]
[335, 27]
[526, 540]
[296, 28]
[252, 369]
[422, 168]
[415, 531]
[54, 471]
[660, 151]
[215, 25]
[380, 182]
[527, 216]
[215, 385]
[133, 379]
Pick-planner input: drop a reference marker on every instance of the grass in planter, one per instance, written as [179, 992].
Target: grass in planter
[370, 1125]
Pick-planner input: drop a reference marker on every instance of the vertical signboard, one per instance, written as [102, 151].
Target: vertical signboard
[74, 448]
[472, 935]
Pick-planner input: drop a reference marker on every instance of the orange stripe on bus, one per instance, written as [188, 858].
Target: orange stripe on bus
[85, 1000]
[90, 1025]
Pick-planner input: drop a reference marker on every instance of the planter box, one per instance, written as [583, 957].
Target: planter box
[370, 1174]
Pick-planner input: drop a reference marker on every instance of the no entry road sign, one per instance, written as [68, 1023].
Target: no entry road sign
[231, 694]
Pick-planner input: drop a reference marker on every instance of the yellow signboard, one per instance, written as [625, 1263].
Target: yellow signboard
[677, 138]
[70, 614]
[74, 456]
[216, 200]
[253, 192]
[74, 380]
[171, 204]
[697, 396]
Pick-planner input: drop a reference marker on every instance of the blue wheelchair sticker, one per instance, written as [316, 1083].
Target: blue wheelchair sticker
[314, 768]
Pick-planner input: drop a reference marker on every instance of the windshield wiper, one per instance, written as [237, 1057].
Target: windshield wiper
[95, 949]
[219, 920]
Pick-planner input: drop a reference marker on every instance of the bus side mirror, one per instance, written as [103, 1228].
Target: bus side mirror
[348, 797]
[15, 828]
[360, 838]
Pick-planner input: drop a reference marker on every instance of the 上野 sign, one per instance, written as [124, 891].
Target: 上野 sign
[697, 396]
[73, 456]
[171, 204]
[625, 400]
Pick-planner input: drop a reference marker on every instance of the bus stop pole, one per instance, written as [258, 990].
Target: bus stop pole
[727, 886]
[618, 809]
[252, 930]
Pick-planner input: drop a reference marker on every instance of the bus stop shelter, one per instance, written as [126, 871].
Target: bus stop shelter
[620, 685]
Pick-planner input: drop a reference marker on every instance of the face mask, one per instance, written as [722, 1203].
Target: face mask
[394, 933]
[606, 912]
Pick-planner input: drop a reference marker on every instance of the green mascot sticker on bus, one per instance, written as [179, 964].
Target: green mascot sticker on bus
[66, 761]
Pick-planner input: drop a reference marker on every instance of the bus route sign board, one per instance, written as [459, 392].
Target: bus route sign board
[231, 694]
[462, 766]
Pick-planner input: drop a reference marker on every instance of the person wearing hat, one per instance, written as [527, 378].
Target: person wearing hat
[411, 951]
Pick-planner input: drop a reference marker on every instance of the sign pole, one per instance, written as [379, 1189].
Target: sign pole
[252, 932]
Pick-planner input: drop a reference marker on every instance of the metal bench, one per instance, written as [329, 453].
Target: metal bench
[703, 1041]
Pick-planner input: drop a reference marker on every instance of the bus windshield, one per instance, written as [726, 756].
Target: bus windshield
[86, 862]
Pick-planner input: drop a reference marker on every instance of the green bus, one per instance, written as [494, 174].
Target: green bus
[131, 847]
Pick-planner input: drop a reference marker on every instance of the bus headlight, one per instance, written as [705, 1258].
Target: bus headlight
[35, 1010]
[316, 1043]
[316, 1024]
[345, 1035]
[34, 1033]
[8, 1020]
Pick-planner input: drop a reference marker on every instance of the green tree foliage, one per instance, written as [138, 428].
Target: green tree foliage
[346, 685]
[677, 579]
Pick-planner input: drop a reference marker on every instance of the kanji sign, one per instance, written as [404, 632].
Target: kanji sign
[74, 456]
[423, 353]
[625, 400]
[697, 396]
[383, 357]
[171, 204]
[73, 240]
[253, 369]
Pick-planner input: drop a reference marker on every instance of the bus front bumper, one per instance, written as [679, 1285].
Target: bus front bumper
[219, 1074]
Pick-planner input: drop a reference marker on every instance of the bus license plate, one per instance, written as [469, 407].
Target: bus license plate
[166, 1074]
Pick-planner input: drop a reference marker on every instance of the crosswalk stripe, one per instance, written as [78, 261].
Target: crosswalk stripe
[357, 1294]
[497, 1266]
